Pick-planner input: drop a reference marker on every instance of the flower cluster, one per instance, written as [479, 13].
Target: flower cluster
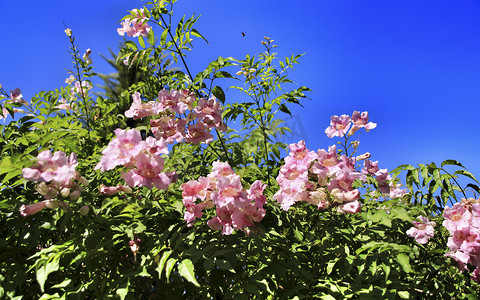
[86, 57]
[141, 158]
[322, 179]
[56, 177]
[113, 190]
[326, 179]
[169, 108]
[249, 73]
[422, 230]
[384, 180]
[16, 97]
[80, 88]
[235, 207]
[346, 125]
[136, 26]
[463, 223]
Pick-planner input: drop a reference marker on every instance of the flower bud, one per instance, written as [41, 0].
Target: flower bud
[363, 156]
[75, 195]
[84, 210]
[42, 188]
[83, 181]
[239, 73]
[52, 204]
[65, 192]
[124, 188]
[355, 144]
[68, 32]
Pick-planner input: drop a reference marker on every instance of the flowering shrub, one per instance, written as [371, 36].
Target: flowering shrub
[165, 198]
[236, 208]
[463, 223]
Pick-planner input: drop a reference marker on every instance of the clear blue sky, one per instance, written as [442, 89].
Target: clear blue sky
[414, 65]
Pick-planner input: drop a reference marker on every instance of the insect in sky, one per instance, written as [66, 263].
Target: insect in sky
[244, 34]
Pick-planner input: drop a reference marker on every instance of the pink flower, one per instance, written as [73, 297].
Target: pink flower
[422, 231]
[121, 150]
[370, 167]
[220, 169]
[108, 190]
[173, 100]
[56, 167]
[235, 207]
[338, 126]
[27, 210]
[209, 112]
[148, 172]
[64, 105]
[5, 114]
[136, 26]
[456, 218]
[350, 207]
[169, 128]
[80, 89]
[16, 97]
[198, 133]
[139, 109]
[360, 120]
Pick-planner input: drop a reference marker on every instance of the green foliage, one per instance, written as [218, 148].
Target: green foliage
[302, 253]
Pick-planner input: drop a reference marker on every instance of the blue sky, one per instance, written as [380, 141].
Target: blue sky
[414, 65]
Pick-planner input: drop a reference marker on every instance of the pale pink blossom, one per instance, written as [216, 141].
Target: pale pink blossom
[198, 133]
[456, 218]
[80, 88]
[27, 210]
[140, 109]
[422, 231]
[338, 126]
[235, 207]
[169, 128]
[209, 112]
[121, 150]
[360, 120]
[350, 207]
[148, 172]
[16, 97]
[56, 167]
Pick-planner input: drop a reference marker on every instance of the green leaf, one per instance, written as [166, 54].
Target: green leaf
[223, 74]
[197, 34]
[404, 294]
[161, 263]
[404, 262]
[42, 272]
[452, 162]
[141, 42]
[285, 109]
[466, 173]
[123, 291]
[62, 285]
[151, 37]
[55, 296]
[163, 37]
[474, 186]
[218, 93]
[169, 267]
[131, 45]
[186, 270]
[298, 234]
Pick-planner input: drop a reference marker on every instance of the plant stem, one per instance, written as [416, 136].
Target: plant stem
[197, 92]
